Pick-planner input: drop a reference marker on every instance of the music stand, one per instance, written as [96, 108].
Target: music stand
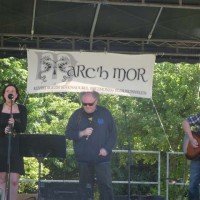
[42, 146]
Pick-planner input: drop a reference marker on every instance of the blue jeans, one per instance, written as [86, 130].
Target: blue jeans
[193, 193]
[87, 172]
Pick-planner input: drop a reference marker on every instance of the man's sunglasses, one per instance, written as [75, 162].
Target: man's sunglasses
[88, 104]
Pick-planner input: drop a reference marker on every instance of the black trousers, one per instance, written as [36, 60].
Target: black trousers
[102, 172]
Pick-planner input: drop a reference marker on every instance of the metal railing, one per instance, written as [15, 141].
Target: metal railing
[132, 182]
[172, 181]
[169, 181]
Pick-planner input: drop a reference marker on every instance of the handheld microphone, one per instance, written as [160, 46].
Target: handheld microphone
[90, 119]
[10, 96]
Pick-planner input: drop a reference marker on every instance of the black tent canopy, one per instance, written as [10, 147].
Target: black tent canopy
[170, 29]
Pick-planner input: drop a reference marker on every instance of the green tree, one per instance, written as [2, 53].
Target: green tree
[144, 124]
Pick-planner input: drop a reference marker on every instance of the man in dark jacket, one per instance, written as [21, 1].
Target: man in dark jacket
[94, 135]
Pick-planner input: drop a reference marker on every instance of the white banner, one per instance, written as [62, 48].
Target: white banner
[106, 73]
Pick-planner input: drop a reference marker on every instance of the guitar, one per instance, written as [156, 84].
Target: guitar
[191, 152]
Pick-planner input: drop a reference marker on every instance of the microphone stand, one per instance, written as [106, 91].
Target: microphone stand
[9, 152]
[130, 161]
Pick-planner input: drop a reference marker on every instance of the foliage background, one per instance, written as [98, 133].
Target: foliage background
[143, 124]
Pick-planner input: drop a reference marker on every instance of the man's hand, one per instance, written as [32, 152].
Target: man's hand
[87, 132]
[103, 152]
[194, 143]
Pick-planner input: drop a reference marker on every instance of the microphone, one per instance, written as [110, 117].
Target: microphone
[90, 119]
[10, 96]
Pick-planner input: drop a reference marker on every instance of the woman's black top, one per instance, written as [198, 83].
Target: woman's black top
[16, 160]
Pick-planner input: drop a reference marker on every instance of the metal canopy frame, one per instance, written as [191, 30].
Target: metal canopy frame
[173, 50]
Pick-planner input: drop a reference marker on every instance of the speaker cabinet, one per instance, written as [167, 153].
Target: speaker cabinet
[69, 191]
[59, 191]
[138, 197]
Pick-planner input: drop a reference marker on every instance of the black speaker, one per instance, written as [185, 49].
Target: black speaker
[59, 191]
[138, 197]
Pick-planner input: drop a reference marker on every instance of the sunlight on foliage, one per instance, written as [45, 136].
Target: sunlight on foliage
[142, 124]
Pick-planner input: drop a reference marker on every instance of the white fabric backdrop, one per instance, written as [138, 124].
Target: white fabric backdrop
[106, 73]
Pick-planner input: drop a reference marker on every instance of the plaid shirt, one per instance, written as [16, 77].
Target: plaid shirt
[194, 120]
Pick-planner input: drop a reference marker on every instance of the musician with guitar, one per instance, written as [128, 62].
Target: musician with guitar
[191, 126]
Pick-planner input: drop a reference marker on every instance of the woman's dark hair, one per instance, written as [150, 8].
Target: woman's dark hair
[16, 88]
